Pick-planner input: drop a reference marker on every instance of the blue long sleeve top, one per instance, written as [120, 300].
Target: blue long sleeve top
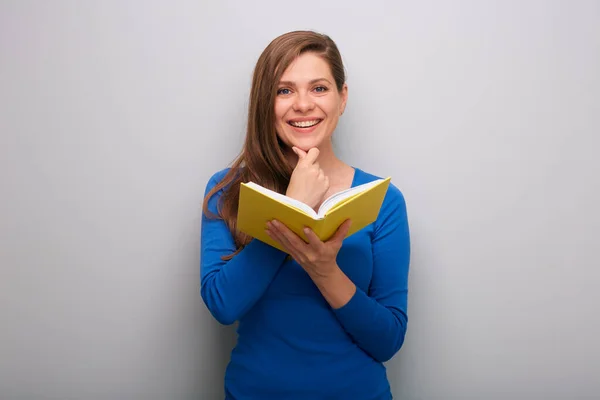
[291, 343]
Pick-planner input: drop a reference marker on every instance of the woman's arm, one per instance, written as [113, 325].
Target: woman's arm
[377, 320]
[230, 288]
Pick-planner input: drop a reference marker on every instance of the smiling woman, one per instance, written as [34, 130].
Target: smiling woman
[318, 324]
[309, 104]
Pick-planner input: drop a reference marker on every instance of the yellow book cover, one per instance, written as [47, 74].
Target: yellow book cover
[258, 205]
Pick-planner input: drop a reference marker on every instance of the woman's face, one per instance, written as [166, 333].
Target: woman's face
[308, 104]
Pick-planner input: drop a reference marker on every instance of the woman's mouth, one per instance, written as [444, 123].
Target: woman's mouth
[304, 124]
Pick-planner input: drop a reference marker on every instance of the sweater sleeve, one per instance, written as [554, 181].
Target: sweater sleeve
[230, 288]
[377, 320]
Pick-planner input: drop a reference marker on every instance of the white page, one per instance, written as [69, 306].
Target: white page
[344, 194]
[284, 199]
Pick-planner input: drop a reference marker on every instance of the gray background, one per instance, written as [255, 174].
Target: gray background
[113, 115]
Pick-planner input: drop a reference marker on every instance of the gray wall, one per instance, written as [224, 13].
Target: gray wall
[113, 115]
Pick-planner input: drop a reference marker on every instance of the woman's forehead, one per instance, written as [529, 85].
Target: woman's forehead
[307, 68]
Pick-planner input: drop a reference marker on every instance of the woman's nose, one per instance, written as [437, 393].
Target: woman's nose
[303, 103]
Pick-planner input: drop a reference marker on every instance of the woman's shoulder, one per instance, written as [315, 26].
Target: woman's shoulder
[217, 177]
[394, 194]
[393, 212]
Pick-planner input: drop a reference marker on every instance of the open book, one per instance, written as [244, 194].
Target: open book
[258, 205]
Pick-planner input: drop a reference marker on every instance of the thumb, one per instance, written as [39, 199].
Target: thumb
[341, 232]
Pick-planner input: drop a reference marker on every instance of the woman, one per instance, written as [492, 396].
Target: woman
[319, 324]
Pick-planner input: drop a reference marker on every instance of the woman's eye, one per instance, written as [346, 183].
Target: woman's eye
[320, 89]
[283, 91]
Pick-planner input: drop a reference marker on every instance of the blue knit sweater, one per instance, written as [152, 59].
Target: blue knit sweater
[291, 343]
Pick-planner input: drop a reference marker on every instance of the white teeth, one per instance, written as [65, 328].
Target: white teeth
[305, 124]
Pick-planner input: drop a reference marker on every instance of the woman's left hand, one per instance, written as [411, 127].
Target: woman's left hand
[318, 258]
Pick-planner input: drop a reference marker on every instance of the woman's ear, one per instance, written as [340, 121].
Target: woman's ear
[344, 95]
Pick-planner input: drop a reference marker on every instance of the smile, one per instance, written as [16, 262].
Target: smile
[304, 124]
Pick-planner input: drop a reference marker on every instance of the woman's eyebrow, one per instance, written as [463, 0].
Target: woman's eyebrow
[289, 83]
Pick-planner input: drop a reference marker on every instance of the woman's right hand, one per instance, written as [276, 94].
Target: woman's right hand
[308, 183]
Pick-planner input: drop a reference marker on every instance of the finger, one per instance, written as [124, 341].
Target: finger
[277, 236]
[299, 152]
[270, 231]
[311, 156]
[313, 239]
[341, 232]
[321, 175]
[290, 238]
[270, 234]
[289, 247]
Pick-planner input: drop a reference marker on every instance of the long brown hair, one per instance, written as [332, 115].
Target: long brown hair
[262, 159]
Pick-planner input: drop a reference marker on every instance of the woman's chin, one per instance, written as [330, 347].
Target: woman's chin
[307, 144]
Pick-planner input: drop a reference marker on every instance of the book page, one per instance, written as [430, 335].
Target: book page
[305, 208]
[335, 199]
